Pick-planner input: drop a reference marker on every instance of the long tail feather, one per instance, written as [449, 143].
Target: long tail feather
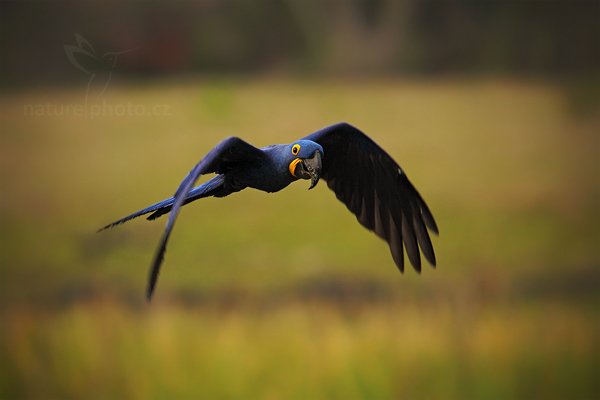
[139, 213]
[163, 207]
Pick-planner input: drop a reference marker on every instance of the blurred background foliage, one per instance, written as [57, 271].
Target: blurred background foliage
[491, 107]
[354, 37]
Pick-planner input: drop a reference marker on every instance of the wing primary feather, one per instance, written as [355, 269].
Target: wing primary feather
[179, 197]
[424, 210]
[396, 244]
[358, 187]
[381, 227]
[155, 269]
[410, 243]
[365, 216]
[428, 218]
[423, 238]
[369, 197]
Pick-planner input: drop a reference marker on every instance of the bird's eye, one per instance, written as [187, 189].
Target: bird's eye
[295, 149]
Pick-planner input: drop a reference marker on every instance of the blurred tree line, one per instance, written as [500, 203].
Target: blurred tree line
[353, 37]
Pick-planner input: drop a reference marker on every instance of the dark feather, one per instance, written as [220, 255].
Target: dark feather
[162, 207]
[374, 188]
[223, 157]
[396, 245]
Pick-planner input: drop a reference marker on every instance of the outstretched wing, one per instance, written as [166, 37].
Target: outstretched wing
[230, 154]
[374, 187]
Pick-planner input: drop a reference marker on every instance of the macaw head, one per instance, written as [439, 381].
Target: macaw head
[306, 160]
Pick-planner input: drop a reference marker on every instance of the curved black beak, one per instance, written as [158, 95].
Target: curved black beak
[309, 168]
[313, 166]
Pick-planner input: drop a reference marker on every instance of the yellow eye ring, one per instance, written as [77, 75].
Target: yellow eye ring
[295, 149]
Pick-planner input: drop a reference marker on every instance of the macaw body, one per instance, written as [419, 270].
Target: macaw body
[362, 175]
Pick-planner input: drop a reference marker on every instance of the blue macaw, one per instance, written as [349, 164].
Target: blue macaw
[360, 173]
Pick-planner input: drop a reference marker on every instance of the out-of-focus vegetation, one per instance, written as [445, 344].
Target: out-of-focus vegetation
[286, 295]
[535, 39]
[302, 350]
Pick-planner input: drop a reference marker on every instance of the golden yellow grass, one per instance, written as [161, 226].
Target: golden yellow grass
[300, 350]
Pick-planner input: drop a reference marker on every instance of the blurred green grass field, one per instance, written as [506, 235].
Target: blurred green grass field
[286, 295]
